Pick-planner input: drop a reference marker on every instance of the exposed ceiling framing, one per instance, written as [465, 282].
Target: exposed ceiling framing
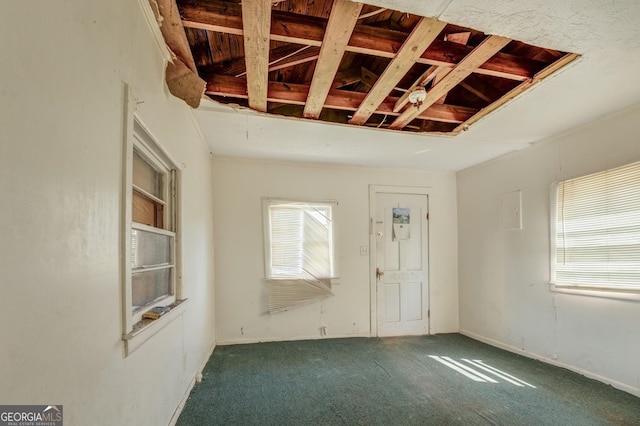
[347, 62]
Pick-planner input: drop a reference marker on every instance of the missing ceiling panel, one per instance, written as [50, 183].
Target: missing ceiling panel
[371, 67]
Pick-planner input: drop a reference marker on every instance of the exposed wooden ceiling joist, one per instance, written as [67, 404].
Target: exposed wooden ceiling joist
[303, 29]
[423, 34]
[459, 38]
[441, 73]
[485, 50]
[288, 93]
[256, 16]
[343, 18]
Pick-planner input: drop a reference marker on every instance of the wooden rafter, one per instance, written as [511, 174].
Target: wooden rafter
[343, 18]
[423, 34]
[288, 93]
[479, 93]
[374, 13]
[367, 77]
[485, 50]
[346, 77]
[256, 17]
[485, 91]
[459, 38]
[279, 58]
[300, 56]
[302, 29]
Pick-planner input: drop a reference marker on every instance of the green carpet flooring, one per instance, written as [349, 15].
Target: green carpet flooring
[396, 381]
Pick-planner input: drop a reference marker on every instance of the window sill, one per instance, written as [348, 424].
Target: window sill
[603, 293]
[146, 328]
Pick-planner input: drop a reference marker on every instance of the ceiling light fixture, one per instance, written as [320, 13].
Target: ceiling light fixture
[417, 95]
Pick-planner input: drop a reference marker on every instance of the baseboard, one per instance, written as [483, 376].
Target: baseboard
[249, 340]
[616, 384]
[192, 383]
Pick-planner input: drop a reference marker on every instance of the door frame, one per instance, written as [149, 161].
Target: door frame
[390, 189]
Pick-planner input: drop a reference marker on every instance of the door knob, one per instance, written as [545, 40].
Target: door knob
[379, 273]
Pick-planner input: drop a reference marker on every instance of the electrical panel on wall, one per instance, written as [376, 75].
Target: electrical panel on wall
[510, 208]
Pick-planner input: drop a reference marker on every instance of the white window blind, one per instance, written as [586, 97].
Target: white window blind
[597, 230]
[299, 252]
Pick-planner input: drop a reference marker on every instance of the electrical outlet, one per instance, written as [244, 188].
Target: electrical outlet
[364, 250]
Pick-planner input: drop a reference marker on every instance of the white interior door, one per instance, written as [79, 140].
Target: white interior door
[401, 264]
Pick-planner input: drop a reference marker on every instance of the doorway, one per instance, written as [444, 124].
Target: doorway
[399, 261]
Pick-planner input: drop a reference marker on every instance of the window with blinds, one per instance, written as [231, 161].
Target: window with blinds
[299, 251]
[596, 231]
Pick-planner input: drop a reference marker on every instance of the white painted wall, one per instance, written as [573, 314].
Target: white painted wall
[504, 292]
[61, 142]
[241, 305]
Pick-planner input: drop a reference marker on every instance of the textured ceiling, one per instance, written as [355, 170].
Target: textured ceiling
[602, 81]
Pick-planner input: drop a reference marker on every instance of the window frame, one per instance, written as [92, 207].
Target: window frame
[604, 291]
[135, 330]
[266, 204]
[142, 145]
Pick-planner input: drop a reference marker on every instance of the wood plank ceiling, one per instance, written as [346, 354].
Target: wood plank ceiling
[346, 62]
